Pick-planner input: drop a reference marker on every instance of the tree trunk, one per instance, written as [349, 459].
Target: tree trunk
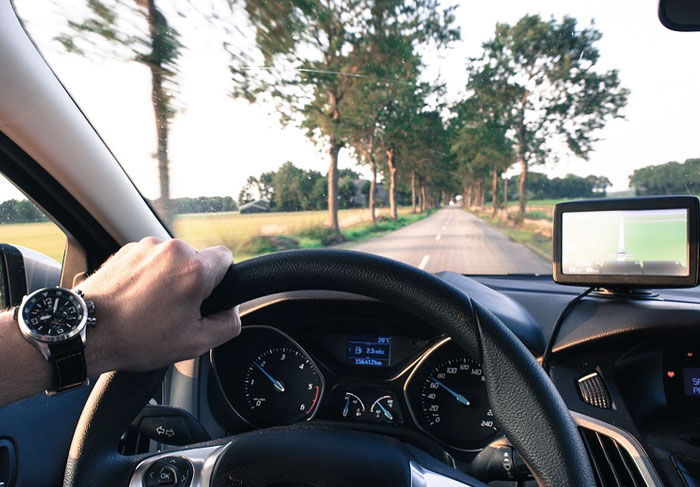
[392, 183]
[505, 195]
[421, 196]
[482, 195]
[521, 186]
[333, 151]
[413, 191]
[159, 99]
[494, 192]
[372, 187]
[468, 195]
[521, 157]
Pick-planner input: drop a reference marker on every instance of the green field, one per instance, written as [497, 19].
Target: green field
[232, 230]
[45, 237]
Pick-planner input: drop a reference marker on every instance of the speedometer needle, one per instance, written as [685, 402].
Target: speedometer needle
[278, 385]
[460, 398]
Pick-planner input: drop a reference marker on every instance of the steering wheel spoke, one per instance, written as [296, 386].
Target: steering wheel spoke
[306, 456]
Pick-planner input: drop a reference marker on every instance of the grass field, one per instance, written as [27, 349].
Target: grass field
[45, 237]
[232, 230]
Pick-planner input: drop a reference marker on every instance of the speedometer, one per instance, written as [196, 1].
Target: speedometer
[447, 394]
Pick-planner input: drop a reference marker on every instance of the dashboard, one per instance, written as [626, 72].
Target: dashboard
[425, 383]
[356, 363]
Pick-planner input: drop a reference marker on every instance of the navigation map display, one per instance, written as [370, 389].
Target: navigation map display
[629, 242]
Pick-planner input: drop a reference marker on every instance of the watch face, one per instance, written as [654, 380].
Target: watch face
[53, 313]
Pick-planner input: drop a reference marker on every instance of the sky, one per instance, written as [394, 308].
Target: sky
[217, 142]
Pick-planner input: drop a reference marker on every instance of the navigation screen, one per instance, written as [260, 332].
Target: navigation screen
[630, 242]
[691, 381]
[369, 351]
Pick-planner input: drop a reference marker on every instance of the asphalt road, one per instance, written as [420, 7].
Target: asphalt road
[453, 240]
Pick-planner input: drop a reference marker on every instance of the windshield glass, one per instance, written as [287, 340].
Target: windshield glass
[440, 135]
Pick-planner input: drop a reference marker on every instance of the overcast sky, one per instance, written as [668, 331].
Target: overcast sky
[217, 142]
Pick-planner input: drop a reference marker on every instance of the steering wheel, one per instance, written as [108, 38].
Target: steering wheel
[526, 406]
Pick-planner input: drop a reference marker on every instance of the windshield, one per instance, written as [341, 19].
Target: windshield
[440, 135]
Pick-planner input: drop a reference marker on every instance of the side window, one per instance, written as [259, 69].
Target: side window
[22, 224]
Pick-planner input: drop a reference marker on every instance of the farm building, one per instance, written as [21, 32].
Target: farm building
[258, 206]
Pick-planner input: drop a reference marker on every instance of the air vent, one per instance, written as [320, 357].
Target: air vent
[612, 464]
[593, 391]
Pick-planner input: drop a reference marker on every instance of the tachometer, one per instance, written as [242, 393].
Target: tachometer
[447, 394]
[283, 384]
[267, 378]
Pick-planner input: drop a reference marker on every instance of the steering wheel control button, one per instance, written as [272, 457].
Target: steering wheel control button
[168, 472]
[167, 476]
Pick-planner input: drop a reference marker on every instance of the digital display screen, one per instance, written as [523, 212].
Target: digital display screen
[691, 381]
[369, 351]
[628, 242]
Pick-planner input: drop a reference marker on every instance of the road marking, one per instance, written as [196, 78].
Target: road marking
[437, 237]
[424, 261]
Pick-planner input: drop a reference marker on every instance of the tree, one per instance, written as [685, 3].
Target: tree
[141, 32]
[545, 70]
[479, 132]
[667, 179]
[311, 61]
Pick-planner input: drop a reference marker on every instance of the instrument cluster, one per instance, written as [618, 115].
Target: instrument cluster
[269, 379]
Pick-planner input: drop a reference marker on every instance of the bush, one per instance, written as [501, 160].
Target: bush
[322, 234]
[264, 244]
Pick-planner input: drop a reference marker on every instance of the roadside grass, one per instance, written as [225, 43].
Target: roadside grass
[246, 235]
[533, 233]
[384, 224]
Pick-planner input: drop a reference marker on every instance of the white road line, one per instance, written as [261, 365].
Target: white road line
[424, 261]
[437, 237]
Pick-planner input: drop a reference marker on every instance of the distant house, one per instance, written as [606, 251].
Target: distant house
[258, 206]
[381, 195]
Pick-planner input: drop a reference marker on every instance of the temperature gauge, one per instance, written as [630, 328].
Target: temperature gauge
[353, 407]
[385, 410]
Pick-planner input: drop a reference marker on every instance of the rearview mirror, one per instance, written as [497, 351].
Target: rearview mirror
[680, 15]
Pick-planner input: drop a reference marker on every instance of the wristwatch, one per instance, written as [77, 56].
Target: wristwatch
[55, 321]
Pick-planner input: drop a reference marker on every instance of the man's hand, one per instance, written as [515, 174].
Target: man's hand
[147, 298]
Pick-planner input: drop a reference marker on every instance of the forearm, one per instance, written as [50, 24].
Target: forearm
[24, 371]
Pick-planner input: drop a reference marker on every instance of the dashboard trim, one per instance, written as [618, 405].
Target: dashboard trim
[626, 441]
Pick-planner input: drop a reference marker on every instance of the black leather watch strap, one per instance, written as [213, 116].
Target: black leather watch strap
[68, 360]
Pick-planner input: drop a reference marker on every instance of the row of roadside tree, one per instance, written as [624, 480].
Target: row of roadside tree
[353, 74]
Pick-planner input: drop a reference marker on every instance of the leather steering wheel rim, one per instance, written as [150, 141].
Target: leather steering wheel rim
[525, 403]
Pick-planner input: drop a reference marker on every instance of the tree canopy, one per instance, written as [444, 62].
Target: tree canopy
[311, 53]
[139, 31]
[544, 71]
